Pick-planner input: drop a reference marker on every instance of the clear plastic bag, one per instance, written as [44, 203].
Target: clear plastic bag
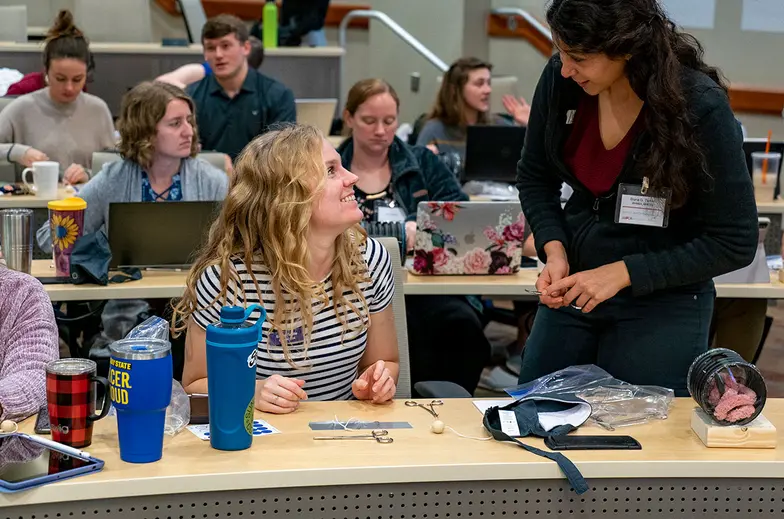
[614, 403]
[178, 414]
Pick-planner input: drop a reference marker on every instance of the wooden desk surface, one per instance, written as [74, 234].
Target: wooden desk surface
[294, 459]
[161, 284]
[32, 201]
[157, 48]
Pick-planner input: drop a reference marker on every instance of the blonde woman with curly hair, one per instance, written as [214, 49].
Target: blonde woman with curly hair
[288, 238]
[158, 142]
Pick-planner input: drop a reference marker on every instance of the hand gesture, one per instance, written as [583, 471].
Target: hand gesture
[589, 288]
[519, 109]
[75, 174]
[33, 155]
[375, 384]
[556, 268]
[279, 395]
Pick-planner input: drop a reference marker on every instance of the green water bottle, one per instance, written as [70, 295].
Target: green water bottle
[270, 25]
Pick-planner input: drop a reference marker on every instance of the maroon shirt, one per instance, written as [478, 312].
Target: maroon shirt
[31, 82]
[596, 167]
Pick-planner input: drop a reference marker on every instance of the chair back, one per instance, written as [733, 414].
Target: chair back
[13, 23]
[401, 327]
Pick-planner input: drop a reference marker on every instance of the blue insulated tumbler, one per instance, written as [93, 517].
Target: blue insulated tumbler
[231, 376]
[140, 385]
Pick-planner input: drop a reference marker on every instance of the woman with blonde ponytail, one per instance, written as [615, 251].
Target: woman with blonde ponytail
[288, 238]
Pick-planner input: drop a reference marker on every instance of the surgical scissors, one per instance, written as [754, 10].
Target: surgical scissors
[426, 407]
[381, 436]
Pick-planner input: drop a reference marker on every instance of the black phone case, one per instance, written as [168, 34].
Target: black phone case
[42, 423]
[575, 443]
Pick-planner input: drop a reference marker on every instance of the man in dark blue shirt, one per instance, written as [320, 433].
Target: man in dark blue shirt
[235, 103]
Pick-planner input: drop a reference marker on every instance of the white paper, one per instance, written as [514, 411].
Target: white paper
[691, 14]
[763, 15]
[260, 428]
[642, 210]
[484, 405]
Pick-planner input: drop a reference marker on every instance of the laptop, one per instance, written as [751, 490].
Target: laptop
[316, 112]
[492, 153]
[158, 234]
[469, 238]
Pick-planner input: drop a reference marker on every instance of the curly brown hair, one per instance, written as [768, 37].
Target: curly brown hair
[142, 109]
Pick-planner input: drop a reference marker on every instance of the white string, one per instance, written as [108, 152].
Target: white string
[469, 437]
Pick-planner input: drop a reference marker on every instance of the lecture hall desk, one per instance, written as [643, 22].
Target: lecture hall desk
[158, 284]
[420, 475]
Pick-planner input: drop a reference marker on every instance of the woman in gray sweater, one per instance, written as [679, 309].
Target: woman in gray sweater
[60, 122]
[158, 142]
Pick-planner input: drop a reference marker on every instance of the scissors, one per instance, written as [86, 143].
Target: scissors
[426, 407]
[538, 293]
[380, 435]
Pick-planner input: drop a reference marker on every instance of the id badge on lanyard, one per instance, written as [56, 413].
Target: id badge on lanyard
[389, 212]
[638, 205]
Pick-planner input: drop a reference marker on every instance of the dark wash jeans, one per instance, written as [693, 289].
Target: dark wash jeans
[650, 340]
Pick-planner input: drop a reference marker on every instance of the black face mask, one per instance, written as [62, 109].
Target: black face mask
[542, 416]
[90, 261]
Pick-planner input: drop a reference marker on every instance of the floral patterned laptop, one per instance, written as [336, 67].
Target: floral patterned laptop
[476, 238]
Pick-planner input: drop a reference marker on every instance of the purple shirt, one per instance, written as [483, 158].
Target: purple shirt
[28, 341]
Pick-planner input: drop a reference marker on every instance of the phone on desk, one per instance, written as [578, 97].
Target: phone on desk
[42, 425]
[200, 409]
[576, 443]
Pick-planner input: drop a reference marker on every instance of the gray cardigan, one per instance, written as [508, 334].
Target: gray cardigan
[121, 181]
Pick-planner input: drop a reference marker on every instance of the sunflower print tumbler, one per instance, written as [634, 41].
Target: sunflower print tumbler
[66, 218]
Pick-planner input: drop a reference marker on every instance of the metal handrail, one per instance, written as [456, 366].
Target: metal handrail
[394, 27]
[525, 15]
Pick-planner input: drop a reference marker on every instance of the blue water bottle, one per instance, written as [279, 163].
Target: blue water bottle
[231, 376]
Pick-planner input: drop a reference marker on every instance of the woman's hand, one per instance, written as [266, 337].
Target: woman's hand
[375, 383]
[519, 109]
[75, 174]
[591, 287]
[279, 395]
[556, 268]
[410, 236]
[33, 155]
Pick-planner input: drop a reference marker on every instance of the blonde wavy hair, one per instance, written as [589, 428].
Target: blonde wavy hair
[265, 219]
[142, 109]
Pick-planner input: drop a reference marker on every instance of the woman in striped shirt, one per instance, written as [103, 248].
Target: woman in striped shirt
[288, 238]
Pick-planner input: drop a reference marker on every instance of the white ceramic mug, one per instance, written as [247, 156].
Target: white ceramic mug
[45, 177]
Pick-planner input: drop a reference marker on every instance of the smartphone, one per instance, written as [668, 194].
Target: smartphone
[54, 280]
[200, 409]
[577, 443]
[42, 425]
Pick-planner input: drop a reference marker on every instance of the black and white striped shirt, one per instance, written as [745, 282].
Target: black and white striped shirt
[331, 363]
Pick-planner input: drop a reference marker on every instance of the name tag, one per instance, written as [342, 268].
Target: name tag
[637, 206]
[390, 214]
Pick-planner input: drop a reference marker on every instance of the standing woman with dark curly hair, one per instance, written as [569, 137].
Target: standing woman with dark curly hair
[630, 116]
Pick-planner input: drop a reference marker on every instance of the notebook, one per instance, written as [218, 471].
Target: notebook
[469, 238]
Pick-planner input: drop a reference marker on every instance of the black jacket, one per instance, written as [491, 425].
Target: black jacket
[417, 175]
[714, 232]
